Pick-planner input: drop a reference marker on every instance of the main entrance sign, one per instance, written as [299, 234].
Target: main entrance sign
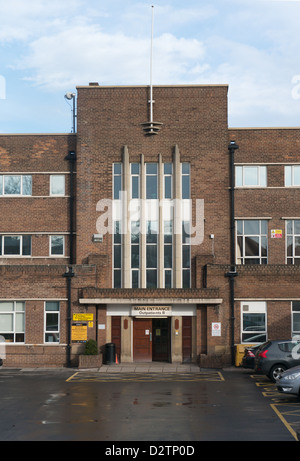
[151, 311]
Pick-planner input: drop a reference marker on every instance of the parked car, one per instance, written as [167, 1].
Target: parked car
[248, 360]
[274, 357]
[288, 382]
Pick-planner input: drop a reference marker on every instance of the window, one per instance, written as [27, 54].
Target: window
[296, 318]
[185, 180]
[293, 242]
[135, 180]
[292, 175]
[253, 322]
[52, 309]
[251, 176]
[117, 255]
[151, 254]
[135, 253]
[252, 241]
[12, 321]
[57, 245]
[151, 181]
[186, 255]
[168, 253]
[168, 168]
[15, 185]
[57, 185]
[15, 245]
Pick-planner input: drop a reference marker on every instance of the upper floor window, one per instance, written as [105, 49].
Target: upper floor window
[57, 184]
[15, 185]
[251, 176]
[15, 245]
[135, 180]
[151, 181]
[293, 241]
[185, 181]
[57, 243]
[168, 168]
[252, 241]
[117, 180]
[292, 175]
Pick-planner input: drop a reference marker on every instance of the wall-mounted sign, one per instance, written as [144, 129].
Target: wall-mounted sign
[151, 311]
[216, 329]
[83, 317]
[79, 333]
[276, 233]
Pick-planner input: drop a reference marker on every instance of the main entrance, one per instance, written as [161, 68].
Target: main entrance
[152, 339]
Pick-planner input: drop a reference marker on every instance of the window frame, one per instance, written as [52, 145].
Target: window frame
[22, 186]
[51, 332]
[58, 194]
[289, 175]
[255, 308]
[260, 170]
[21, 246]
[295, 309]
[292, 259]
[56, 255]
[14, 313]
[241, 260]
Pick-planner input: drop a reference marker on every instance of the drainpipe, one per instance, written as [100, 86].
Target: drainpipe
[232, 273]
[69, 269]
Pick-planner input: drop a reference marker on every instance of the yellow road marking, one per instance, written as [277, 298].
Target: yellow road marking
[284, 421]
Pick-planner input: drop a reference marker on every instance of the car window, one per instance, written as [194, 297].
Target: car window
[287, 347]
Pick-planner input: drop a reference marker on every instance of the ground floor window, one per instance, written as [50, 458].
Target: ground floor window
[12, 321]
[52, 309]
[253, 322]
[296, 318]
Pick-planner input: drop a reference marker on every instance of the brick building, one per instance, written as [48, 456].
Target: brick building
[154, 227]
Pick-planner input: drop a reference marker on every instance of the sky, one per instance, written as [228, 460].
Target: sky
[48, 48]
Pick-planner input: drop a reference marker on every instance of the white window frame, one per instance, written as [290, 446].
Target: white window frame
[289, 175]
[51, 246]
[14, 314]
[241, 259]
[51, 332]
[241, 171]
[293, 235]
[52, 179]
[21, 194]
[254, 307]
[20, 254]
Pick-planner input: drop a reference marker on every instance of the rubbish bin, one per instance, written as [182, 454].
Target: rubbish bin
[110, 353]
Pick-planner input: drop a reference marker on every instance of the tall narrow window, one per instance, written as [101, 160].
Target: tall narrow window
[135, 254]
[52, 309]
[135, 180]
[252, 241]
[117, 180]
[151, 254]
[254, 322]
[293, 242]
[117, 255]
[186, 255]
[168, 180]
[151, 181]
[185, 178]
[57, 243]
[168, 253]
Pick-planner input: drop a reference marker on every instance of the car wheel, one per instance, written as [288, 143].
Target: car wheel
[275, 372]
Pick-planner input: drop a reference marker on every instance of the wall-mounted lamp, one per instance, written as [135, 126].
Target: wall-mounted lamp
[69, 97]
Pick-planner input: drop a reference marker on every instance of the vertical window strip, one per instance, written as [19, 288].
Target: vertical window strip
[293, 242]
[186, 255]
[117, 256]
[135, 254]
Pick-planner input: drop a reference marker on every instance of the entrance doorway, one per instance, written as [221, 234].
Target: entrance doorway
[152, 339]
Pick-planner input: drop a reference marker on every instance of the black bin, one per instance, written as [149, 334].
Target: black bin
[110, 353]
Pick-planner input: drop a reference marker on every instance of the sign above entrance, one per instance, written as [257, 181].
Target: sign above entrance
[151, 311]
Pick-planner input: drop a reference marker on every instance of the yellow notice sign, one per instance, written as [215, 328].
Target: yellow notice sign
[79, 333]
[83, 317]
